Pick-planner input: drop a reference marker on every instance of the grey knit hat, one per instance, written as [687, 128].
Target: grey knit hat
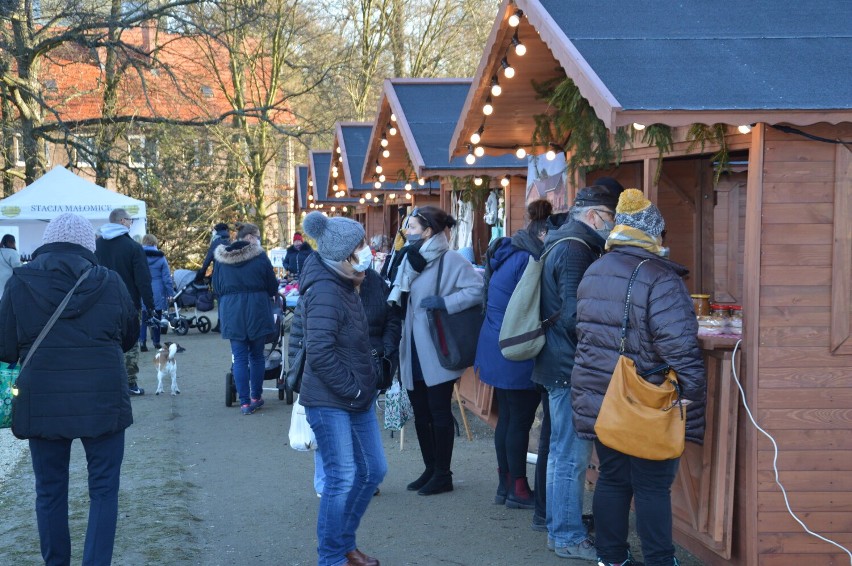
[336, 237]
[638, 212]
[71, 228]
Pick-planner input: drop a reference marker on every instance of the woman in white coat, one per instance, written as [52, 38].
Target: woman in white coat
[9, 259]
[429, 385]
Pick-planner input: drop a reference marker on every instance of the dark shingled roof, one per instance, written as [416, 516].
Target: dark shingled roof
[320, 167]
[356, 140]
[302, 185]
[725, 54]
[431, 111]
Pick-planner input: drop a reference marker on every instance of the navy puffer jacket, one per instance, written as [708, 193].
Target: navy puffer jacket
[563, 269]
[75, 385]
[295, 258]
[161, 277]
[245, 281]
[662, 328]
[338, 369]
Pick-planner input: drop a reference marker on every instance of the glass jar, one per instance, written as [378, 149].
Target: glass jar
[701, 304]
[719, 311]
[736, 320]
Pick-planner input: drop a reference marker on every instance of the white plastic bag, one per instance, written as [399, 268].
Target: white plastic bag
[301, 436]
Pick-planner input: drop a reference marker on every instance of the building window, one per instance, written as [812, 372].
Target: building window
[85, 152]
[141, 152]
[18, 150]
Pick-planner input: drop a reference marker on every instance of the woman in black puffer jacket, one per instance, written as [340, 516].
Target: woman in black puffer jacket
[75, 384]
[662, 329]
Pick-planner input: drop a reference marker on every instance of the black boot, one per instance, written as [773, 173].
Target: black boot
[442, 480]
[503, 479]
[427, 449]
[520, 495]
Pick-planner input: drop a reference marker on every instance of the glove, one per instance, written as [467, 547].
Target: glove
[417, 261]
[434, 303]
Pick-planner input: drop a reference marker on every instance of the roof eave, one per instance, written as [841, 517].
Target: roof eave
[686, 117]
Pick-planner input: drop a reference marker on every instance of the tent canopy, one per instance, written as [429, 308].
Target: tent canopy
[26, 213]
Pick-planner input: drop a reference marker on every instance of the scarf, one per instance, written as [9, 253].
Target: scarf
[431, 250]
[623, 235]
[346, 271]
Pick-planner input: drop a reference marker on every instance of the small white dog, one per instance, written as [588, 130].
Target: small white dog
[167, 365]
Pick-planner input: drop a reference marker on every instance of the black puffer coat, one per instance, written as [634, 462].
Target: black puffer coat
[338, 369]
[563, 269]
[75, 385]
[295, 259]
[384, 321]
[662, 328]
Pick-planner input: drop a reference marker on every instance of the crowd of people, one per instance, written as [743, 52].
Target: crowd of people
[348, 317]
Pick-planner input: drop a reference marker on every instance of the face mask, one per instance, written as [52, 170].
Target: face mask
[365, 259]
[413, 238]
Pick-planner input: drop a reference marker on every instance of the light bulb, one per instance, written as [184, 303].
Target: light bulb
[470, 159]
[375, 199]
[477, 181]
[333, 208]
[393, 117]
[508, 70]
[392, 130]
[421, 181]
[505, 181]
[311, 183]
[515, 19]
[345, 209]
[377, 184]
[382, 178]
[520, 153]
[550, 155]
[520, 50]
[334, 173]
[304, 213]
[310, 197]
[361, 200]
[496, 89]
[638, 126]
[392, 196]
[379, 169]
[408, 186]
[368, 196]
[386, 153]
[488, 109]
[407, 196]
[384, 141]
[312, 205]
[476, 136]
[479, 151]
[338, 149]
[744, 129]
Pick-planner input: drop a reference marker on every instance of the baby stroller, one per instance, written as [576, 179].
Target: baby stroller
[190, 294]
[272, 354]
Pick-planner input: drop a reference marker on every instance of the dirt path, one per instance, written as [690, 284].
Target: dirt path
[202, 484]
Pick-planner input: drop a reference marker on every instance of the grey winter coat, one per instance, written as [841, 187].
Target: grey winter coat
[563, 269]
[9, 260]
[461, 287]
[662, 328]
[338, 369]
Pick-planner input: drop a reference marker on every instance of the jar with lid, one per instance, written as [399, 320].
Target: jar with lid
[701, 304]
[719, 311]
[736, 320]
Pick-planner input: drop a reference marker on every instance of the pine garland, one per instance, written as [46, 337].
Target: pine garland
[703, 134]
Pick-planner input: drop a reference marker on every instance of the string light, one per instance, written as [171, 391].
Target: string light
[345, 209]
[312, 205]
[471, 158]
[391, 129]
[520, 153]
[361, 200]
[386, 153]
[407, 196]
[488, 108]
[520, 48]
[638, 126]
[392, 196]
[505, 181]
[377, 184]
[508, 70]
[479, 151]
[744, 129]
[368, 196]
[496, 89]
[333, 208]
[378, 167]
[550, 155]
[408, 186]
[393, 117]
[382, 178]
[375, 199]
[421, 181]
[384, 141]
[476, 136]
[310, 197]
[311, 183]
[477, 181]
[338, 149]
[515, 19]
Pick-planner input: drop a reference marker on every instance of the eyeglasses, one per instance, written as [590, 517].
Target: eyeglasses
[598, 212]
[128, 220]
[426, 223]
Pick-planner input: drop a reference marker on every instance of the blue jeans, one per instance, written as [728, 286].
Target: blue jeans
[249, 367]
[353, 458]
[319, 473]
[648, 483]
[143, 329]
[566, 472]
[50, 458]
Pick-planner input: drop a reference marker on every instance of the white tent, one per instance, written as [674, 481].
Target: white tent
[26, 213]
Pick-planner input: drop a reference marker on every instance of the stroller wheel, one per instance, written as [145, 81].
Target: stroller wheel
[280, 394]
[289, 393]
[203, 324]
[182, 327]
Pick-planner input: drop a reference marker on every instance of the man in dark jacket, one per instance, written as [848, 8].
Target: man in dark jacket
[296, 256]
[221, 237]
[74, 385]
[116, 250]
[579, 242]
[661, 329]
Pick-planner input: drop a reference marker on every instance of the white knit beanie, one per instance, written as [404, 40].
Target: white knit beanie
[71, 228]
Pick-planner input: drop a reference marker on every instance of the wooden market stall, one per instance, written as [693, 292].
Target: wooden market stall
[740, 129]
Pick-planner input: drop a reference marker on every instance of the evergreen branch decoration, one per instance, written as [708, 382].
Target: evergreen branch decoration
[469, 192]
[659, 135]
[702, 134]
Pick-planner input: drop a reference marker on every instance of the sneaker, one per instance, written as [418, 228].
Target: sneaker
[136, 390]
[584, 550]
[539, 524]
[144, 347]
[256, 404]
[246, 409]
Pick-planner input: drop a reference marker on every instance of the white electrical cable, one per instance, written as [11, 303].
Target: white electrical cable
[775, 458]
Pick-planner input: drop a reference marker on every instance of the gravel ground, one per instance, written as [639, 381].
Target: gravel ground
[202, 484]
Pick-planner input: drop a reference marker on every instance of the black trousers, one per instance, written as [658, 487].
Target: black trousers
[515, 415]
[543, 454]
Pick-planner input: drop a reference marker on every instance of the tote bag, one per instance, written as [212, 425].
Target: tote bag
[8, 376]
[639, 418]
[455, 336]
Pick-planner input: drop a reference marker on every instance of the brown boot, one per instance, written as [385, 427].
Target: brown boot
[358, 558]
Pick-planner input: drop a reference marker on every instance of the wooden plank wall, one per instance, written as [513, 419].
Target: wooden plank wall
[516, 207]
[804, 393]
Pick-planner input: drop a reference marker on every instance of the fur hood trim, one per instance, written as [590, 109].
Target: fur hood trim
[238, 252]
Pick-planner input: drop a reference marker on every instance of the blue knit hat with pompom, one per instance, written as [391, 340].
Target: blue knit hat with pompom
[336, 237]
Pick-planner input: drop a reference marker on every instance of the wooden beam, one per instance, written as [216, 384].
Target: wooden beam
[649, 187]
[841, 269]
